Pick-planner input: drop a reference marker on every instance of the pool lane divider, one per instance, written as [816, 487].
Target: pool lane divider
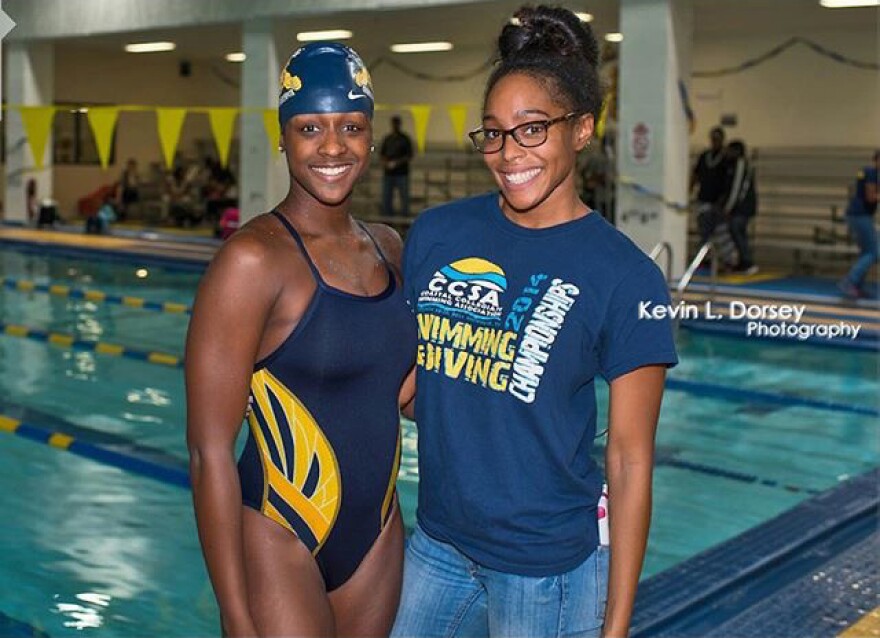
[130, 461]
[63, 340]
[97, 296]
[729, 393]
[123, 454]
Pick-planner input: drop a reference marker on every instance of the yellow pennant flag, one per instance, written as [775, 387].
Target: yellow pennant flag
[37, 121]
[222, 126]
[421, 114]
[170, 122]
[458, 117]
[603, 116]
[272, 127]
[102, 119]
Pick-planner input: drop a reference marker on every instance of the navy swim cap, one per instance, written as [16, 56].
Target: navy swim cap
[324, 77]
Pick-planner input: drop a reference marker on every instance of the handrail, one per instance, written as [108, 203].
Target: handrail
[660, 248]
[685, 280]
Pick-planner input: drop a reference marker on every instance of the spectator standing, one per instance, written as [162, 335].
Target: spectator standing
[129, 189]
[740, 203]
[709, 176]
[860, 219]
[396, 153]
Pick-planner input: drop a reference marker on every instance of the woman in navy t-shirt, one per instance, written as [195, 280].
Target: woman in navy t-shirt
[523, 297]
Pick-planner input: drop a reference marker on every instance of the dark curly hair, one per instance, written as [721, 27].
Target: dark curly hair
[551, 45]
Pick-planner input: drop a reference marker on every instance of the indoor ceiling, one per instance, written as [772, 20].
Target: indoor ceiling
[473, 26]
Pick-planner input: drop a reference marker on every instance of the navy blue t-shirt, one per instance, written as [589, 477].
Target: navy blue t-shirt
[514, 326]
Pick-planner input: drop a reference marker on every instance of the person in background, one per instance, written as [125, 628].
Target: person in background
[709, 176]
[860, 219]
[129, 189]
[229, 223]
[304, 537]
[32, 202]
[740, 203]
[523, 298]
[396, 152]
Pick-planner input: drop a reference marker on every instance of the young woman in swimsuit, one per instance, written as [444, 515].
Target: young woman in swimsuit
[302, 311]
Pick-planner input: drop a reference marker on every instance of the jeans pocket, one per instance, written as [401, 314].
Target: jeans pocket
[603, 557]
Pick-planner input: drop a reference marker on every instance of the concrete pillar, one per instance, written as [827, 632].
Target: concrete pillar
[652, 140]
[29, 76]
[262, 171]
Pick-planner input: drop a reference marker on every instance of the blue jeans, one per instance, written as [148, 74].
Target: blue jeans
[391, 183]
[447, 595]
[863, 231]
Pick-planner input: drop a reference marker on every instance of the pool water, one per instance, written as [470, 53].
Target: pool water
[89, 547]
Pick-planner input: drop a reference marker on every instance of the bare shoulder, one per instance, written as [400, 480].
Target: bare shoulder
[389, 240]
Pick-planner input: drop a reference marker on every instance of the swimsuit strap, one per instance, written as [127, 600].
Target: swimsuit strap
[301, 245]
[378, 248]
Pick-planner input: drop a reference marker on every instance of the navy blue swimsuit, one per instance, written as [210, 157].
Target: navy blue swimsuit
[323, 449]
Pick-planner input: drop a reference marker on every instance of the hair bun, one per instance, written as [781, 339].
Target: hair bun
[543, 30]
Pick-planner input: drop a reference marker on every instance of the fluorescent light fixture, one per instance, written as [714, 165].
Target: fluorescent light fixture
[421, 47]
[150, 47]
[238, 56]
[584, 17]
[614, 37]
[333, 34]
[848, 4]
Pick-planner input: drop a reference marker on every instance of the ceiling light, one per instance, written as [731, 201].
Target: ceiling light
[334, 34]
[848, 4]
[236, 57]
[150, 47]
[584, 17]
[614, 37]
[421, 47]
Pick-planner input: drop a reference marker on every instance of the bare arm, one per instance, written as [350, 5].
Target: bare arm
[231, 308]
[629, 464]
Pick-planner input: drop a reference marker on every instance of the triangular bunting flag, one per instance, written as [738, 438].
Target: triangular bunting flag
[272, 127]
[421, 114]
[458, 117]
[37, 121]
[222, 126]
[102, 119]
[170, 122]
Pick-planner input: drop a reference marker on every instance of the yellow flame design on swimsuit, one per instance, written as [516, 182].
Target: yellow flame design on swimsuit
[310, 447]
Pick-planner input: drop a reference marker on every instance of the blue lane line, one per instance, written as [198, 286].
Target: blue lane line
[664, 458]
[128, 461]
[759, 396]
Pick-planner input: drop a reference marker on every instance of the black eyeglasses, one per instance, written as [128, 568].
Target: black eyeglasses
[527, 135]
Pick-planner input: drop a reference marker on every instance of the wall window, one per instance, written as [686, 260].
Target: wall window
[74, 142]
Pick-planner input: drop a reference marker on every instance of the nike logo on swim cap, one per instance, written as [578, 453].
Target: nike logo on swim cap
[353, 96]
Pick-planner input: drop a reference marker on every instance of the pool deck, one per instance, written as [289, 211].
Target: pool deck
[810, 572]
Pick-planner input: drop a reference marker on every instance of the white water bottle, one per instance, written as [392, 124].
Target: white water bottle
[602, 511]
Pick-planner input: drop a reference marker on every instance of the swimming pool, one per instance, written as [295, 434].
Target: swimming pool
[747, 430]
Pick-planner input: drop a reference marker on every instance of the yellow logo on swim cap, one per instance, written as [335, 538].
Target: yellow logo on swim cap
[362, 78]
[290, 82]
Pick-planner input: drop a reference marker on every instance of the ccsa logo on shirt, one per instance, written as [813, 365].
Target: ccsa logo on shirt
[474, 280]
